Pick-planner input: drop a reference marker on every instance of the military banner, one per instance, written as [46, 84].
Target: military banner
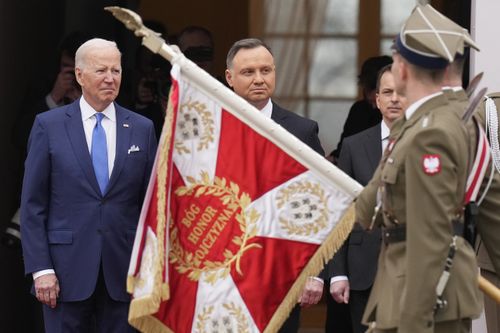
[232, 225]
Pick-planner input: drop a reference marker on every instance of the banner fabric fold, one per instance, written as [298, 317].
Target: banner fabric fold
[231, 226]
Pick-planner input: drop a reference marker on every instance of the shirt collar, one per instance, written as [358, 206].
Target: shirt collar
[455, 88]
[384, 130]
[88, 111]
[412, 108]
[268, 109]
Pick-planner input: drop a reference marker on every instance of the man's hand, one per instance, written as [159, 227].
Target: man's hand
[312, 293]
[65, 82]
[145, 94]
[73, 94]
[340, 291]
[47, 289]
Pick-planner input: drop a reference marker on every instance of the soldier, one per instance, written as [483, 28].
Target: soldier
[419, 189]
[488, 219]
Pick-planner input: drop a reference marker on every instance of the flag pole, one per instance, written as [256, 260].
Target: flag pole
[489, 289]
[237, 105]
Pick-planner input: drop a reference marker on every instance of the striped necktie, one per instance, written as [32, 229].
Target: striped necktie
[99, 153]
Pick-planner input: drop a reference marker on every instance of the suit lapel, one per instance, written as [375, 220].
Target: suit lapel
[373, 146]
[76, 134]
[278, 115]
[123, 137]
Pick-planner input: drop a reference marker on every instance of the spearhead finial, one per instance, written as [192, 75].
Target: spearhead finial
[131, 20]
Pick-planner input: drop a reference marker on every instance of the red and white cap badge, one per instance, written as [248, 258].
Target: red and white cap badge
[431, 164]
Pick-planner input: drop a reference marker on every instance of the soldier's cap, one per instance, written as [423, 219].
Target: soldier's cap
[430, 40]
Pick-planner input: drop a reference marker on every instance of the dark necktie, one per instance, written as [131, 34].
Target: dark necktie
[99, 153]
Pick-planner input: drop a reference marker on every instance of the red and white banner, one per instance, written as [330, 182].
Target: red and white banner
[232, 225]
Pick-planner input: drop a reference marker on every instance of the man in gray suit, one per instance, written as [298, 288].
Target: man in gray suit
[352, 269]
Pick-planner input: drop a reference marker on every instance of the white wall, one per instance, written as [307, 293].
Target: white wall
[485, 30]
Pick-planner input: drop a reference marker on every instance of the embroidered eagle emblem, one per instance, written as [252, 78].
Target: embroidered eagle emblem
[431, 164]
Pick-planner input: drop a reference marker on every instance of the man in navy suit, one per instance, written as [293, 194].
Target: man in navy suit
[87, 170]
[251, 73]
[352, 269]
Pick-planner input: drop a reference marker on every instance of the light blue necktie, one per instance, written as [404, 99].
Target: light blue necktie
[99, 153]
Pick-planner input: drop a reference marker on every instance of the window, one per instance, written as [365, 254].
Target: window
[394, 13]
[317, 45]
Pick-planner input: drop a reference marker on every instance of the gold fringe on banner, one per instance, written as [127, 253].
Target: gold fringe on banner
[141, 309]
[131, 281]
[325, 252]
[150, 324]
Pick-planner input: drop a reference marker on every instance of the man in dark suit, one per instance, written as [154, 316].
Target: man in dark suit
[364, 113]
[352, 269]
[87, 170]
[251, 73]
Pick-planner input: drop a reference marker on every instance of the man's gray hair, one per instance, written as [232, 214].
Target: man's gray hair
[248, 43]
[92, 44]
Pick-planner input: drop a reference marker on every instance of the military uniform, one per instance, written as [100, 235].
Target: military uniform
[488, 225]
[425, 204]
[420, 189]
[488, 220]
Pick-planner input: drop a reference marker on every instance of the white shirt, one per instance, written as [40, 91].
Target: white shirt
[50, 102]
[384, 134]
[109, 125]
[267, 110]
[455, 88]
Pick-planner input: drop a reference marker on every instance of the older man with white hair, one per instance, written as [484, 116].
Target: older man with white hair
[86, 175]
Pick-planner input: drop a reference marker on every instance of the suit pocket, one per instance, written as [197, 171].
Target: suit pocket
[137, 156]
[60, 236]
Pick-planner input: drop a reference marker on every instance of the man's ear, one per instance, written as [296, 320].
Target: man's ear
[377, 96]
[78, 75]
[403, 71]
[229, 78]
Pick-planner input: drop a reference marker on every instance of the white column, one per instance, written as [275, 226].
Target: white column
[485, 31]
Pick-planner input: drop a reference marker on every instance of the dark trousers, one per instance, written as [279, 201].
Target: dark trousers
[99, 313]
[291, 325]
[346, 318]
[357, 305]
[338, 316]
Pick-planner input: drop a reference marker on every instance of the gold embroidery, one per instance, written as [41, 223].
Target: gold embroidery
[306, 212]
[194, 123]
[207, 223]
[233, 320]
